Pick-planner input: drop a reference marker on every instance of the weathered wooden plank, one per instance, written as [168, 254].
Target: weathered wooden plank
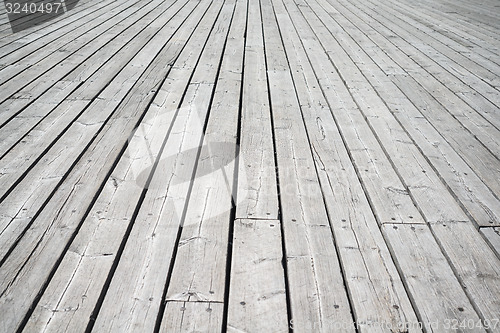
[50, 232]
[257, 191]
[423, 184]
[388, 195]
[466, 185]
[375, 289]
[199, 272]
[122, 193]
[257, 300]
[437, 295]
[192, 317]
[309, 244]
[476, 265]
[493, 237]
[98, 22]
[64, 152]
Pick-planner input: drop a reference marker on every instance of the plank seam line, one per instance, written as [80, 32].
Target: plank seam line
[234, 197]
[370, 202]
[63, 46]
[74, 69]
[63, 178]
[428, 225]
[164, 299]
[276, 168]
[458, 276]
[94, 199]
[488, 241]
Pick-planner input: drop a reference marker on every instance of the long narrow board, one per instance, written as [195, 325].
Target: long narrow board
[97, 244]
[50, 232]
[199, 271]
[257, 295]
[476, 265]
[493, 237]
[371, 278]
[436, 293]
[257, 190]
[315, 282]
[191, 317]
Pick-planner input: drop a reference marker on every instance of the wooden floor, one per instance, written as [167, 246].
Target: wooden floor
[251, 166]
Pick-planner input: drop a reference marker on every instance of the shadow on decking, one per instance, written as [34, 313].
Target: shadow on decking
[25, 14]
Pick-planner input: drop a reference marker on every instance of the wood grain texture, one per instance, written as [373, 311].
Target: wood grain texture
[192, 317]
[493, 237]
[199, 272]
[309, 243]
[363, 252]
[253, 165]
[476, 265]
[435, 291]
[257, 296]
[257, 190]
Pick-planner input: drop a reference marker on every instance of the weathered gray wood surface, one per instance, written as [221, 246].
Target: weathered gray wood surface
[251, 165]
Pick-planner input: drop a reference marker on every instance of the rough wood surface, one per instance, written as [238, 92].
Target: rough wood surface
[257, 190]
[192, 317]
[435, 290]
[251, 165]
[476, 265]
[309, 245]
[257, 295]
[493, 237]
[363, 252]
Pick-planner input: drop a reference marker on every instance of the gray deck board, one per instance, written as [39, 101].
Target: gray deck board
[251, 165]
